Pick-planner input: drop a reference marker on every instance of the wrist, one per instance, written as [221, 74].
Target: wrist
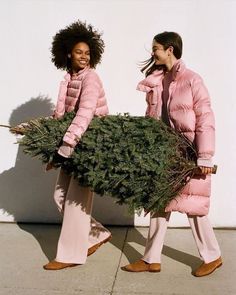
[65, 150]
[205, 162]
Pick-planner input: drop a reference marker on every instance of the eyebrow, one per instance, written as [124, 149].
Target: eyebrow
[157, 47]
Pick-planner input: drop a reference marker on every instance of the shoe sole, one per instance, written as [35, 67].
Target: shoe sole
[123, 268]
[60, 267]
[155, 270]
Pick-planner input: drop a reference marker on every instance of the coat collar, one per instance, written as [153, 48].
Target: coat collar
[78, 75]
[178, 69]
[155, 79]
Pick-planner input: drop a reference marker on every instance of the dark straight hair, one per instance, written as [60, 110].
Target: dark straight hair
[166, 39]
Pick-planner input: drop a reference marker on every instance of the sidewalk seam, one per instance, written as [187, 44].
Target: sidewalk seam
[113, 285]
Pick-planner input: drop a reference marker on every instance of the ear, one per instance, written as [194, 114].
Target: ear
[69, 55]
[171, 49]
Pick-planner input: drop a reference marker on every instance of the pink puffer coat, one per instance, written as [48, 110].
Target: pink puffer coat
[189, 112]
[82, 92]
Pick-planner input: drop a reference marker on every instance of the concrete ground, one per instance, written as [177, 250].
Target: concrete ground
[26, 247]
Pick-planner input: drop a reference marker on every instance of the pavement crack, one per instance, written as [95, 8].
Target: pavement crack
[113, 285]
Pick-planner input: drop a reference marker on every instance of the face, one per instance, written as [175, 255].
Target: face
[80, 56]
[160, 55]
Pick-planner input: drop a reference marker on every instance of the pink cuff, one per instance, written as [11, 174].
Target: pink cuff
[65, 150]
[57, 115]
[205, 162]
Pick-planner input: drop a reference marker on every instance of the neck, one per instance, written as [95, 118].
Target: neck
[171, 62]
[75, 71]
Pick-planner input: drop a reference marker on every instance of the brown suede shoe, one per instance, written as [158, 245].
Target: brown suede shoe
[94, 248]
[141, 265]
[207, 268]
[55, 265]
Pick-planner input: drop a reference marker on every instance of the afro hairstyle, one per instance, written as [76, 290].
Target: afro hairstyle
[65, 40]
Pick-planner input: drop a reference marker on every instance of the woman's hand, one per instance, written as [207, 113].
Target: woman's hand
[49, 166]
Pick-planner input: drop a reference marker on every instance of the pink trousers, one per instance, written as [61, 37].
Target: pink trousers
[79, 230]
[203, 234]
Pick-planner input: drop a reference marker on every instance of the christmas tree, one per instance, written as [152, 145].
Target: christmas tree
[138, 160]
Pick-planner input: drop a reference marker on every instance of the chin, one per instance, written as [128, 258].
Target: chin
[82, 66]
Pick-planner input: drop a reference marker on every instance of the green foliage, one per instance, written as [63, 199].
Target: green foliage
[138, 160]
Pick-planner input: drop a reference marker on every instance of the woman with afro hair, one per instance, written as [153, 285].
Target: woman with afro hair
[77, 49]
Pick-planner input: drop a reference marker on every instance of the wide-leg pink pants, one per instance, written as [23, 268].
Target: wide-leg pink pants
[203, 234]
[79, 230]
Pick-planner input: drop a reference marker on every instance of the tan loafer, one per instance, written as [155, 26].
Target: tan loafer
[207, 268]
[55, 265]
[94, 248]
[141, 265]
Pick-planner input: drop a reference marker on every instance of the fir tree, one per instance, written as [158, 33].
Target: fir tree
[140, 161]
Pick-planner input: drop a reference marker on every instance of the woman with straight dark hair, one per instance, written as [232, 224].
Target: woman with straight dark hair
[179, 97]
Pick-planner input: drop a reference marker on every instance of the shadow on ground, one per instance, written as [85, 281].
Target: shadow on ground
[47, 239]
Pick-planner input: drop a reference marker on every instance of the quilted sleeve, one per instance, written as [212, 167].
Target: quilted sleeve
[91, 88]
[205, 122]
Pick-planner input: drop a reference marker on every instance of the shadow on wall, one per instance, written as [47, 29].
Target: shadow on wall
[26, 190]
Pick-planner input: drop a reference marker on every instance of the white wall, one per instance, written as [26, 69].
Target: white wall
[29, 85]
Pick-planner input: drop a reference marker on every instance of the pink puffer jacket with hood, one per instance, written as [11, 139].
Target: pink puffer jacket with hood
[189, 112]
[81, 92]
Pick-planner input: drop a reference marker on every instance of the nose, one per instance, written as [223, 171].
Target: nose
[83, 55]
